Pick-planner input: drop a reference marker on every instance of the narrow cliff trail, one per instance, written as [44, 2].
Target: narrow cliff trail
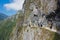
[53, 30]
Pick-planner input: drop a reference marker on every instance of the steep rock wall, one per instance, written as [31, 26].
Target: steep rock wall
[35, 12]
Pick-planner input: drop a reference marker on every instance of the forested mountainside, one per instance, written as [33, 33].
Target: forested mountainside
[39, 20]
[9, 24]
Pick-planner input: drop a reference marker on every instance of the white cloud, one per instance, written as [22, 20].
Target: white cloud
[15, 5]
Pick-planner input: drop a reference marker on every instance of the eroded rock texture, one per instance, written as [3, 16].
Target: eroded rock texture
[38, 15]
[41, 13]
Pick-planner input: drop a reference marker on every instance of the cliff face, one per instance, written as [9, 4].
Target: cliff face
[40, 12]
[43, 5]
[38, 21]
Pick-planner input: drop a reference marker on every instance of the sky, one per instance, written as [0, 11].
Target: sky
[10, 7]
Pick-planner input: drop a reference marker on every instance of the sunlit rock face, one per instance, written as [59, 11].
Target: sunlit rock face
[38, 14]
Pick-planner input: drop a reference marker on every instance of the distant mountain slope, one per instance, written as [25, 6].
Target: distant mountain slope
[3, 16]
